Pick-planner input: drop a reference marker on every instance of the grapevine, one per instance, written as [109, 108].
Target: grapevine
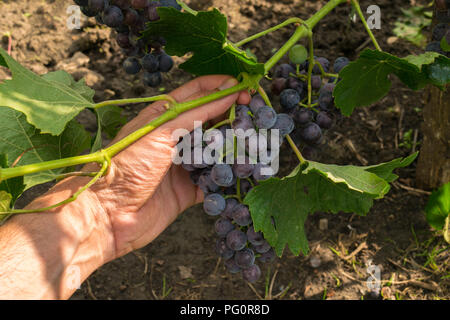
[258, 213]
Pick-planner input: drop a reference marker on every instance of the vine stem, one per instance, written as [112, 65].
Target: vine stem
[363, 19]
[310, 67]
[288, 137]
[265, 32]
[162, 97]
[101, 155]
[187, 8]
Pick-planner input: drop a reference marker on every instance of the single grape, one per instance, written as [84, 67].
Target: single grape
[123, 40]
[255, 238]
[150, 63]
[230, 204]
[131, 17]
[297, 85]
[223, 226]
[243, 123]
[165, 62]
[265, 117]
[243, 170]
[324, 120]
[303, 116]
[289, 99]
[195, 176]
[152, 11]
[231, 266]
[251, 274]
[122, 4]
[326, 100]
[113, 16]
[256, 103]
[340, 63]
[311, 133]
[214, 204]
[328, 87]
[132, 65]
[268, 256]
[241, 215]
[236, 240]
[262, 248]
[242, 111]
[244, 258]
[316, 82]
[284, 123]
[324, 63]
[88, 12]
[152, 79]
[298, 54]
[222, 174]
[246, 186]
[223, 250]
[278, 85]
[284, 70]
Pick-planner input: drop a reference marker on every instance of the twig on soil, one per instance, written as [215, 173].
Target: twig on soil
[254, 290]
[410, 189]
[89, 290]
[362, 246]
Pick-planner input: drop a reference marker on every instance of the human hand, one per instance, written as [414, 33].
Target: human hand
[144, 192]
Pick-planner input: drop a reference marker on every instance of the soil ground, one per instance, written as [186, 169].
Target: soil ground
[394, 236]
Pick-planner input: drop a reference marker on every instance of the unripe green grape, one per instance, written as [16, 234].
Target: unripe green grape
[298, 54]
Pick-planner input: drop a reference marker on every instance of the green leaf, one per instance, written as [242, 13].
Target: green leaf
[438, 207]
[366, 80]
[319, 187]
[109, 120]
[205, 36]
[444, 44]
[384, 170]
[20, 140]
[5, 204]
[410, 25]
[49, 101]
[14, 186]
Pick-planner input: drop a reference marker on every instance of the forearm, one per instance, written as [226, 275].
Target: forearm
[48, 255]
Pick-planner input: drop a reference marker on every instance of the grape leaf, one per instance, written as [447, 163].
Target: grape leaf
[5, 204]
[438, 207]
[20, 140]
[205, 35]
[14, 186]
[49, 101]
[366, 80]
[318, 187]
[109, 120]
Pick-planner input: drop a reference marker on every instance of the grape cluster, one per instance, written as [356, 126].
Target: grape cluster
[290, 82]
[224, 185]
[129, 18]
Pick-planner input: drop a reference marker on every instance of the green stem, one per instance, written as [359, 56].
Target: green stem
[219, 124]
[100, 156]
[325, 74]
[363, 19]
[263, 33]
[162, 97]
[187, 8]
[310, 67]
[301, 32]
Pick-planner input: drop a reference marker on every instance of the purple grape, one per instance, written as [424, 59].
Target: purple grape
[81, 3]
[214, 204]
[88, 12]
[230, 204]
[223, 250]
[324, 120]
[278, 85]
[255, 238]
[303, 116]
[284, 123]
[231, 266]
[311, 133]
[340, 63]
[206, 184]
[265, 117]
[97, 5]
[289, 99]
[236, 240]
[245, 186]
[222, 175]
[316, 82]
[262, 248]
[152, 11]
[256, 103]
[139, 4]
[170, 3]
[242, 111]
[113, 16]
[251, 274]
[284, 70]
[165, 62]
[223, 226]
[123, 40]
[258, 172]
[324, 63]
[244, 258]
[122, 4]
[268, 256]
[326, 100]
[150, 63]
[243, 170]
[244, 123]
[241, 215]
[132, 65]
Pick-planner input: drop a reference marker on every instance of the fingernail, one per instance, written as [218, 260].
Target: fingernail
[228, 84]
